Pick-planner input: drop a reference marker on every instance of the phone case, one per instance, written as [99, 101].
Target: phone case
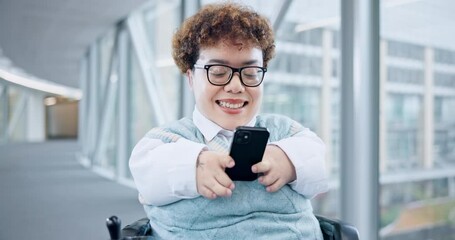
[247, 149]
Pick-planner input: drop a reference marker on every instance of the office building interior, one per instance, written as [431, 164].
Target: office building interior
[82, 81]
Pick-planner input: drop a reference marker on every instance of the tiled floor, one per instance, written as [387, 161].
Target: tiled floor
[46, 194]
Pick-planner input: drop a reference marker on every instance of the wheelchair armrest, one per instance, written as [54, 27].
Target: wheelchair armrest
[140, 227]
[334, 229]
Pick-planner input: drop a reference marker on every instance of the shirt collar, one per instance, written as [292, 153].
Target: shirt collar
[210, 129]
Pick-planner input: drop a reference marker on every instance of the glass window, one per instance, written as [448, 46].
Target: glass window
[403, 75]
[294, 80]
[293, 83]
[17, 114]
[3, 113]
[106, 44]
[444, 79]
[403, 113]
[405, 50]
[164, 72]
[444, 139]
[161, 19]
[141, 111]
[417, 196]
[444, 56]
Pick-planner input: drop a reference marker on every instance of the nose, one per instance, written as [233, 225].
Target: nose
[235, 85]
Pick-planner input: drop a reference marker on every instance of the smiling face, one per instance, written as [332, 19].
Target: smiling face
[234, 104]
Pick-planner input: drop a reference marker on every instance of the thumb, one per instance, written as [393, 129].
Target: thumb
[227, 162]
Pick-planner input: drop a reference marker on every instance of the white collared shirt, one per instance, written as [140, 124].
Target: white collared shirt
[166, 172]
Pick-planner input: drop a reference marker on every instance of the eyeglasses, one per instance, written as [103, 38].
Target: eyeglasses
[221, 75]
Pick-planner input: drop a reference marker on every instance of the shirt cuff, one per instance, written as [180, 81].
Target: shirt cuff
[182, 175]
[308, 158]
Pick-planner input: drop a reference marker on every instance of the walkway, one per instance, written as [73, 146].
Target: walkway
[46, 194]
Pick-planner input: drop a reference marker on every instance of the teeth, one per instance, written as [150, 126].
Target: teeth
[230, 105]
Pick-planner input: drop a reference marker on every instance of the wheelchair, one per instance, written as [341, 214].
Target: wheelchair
[332, 229]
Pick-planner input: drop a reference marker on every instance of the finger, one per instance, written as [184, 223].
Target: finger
[207, 193]
[261, 167]
[220, 190]
[227, 162]
[268, 179]
[275, 186]
[224, 180]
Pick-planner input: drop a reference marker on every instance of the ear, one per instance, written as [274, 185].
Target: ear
[189, 76]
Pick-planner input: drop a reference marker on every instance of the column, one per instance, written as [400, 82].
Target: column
[428, 111]
[359, 187]
[4, 108]
[35, 118]
[326, 95]
[382, 107]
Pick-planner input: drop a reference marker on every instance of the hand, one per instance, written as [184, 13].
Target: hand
[211, 180]
[278, 170]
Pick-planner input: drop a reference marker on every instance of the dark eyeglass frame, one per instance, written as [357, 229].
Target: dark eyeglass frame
[234, 70]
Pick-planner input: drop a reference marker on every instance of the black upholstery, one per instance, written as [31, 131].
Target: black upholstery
[332, 229]
[139, 228]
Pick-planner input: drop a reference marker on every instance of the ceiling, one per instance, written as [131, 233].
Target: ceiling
[48, 38]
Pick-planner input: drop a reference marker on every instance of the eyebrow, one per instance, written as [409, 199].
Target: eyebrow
[221, 61]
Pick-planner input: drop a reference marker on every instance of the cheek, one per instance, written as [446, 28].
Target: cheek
[203, 92]
[197, 85]
[256, 94]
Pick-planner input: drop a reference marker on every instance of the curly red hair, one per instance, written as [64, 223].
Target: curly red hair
[216, 22]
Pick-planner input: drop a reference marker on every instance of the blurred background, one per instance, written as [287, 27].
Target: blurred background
[99, 75]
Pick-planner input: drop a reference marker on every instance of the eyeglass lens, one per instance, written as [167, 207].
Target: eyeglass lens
[250, 76]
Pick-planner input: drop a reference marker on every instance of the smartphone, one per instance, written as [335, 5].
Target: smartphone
[247, 149]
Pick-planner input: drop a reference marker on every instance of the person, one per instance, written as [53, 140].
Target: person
[179, 168]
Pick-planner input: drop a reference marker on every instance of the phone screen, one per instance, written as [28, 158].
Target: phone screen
[247, 149]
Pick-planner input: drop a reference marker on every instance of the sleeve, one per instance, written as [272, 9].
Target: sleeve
[165, 172]
[307, 152]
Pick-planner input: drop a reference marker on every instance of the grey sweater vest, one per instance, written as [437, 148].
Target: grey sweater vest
[250, 213]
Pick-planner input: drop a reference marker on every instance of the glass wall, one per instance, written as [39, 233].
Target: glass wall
[106, 92]
[34, 109]
[403, 112]
[301, 83]
[140, 108]
[16, 115]
[302, 80]
[417, 195]
[3, 113]
[141, 88]
[131, 85]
